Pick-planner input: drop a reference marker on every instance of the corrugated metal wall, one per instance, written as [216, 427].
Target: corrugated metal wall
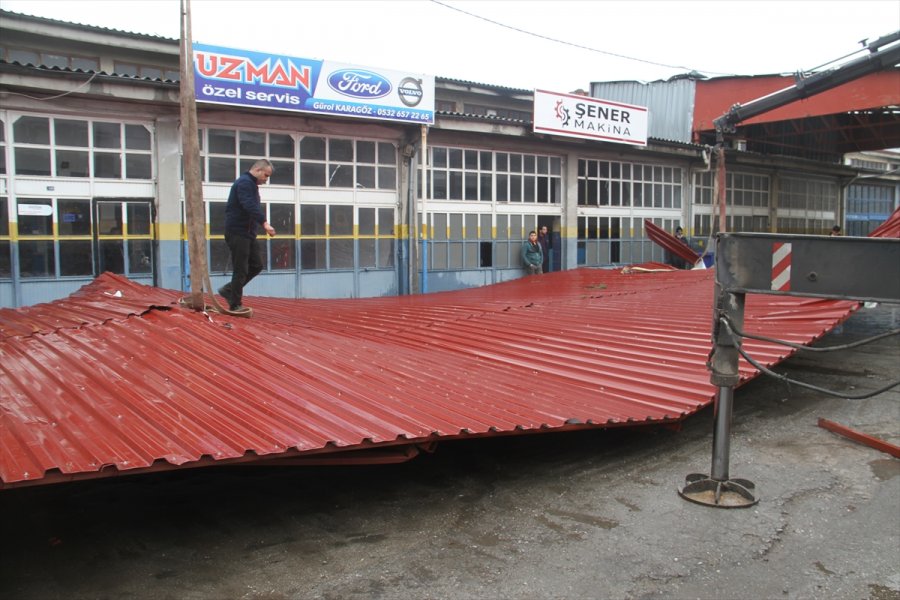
[671, 104]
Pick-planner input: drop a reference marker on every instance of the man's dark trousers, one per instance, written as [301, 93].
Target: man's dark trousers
[247, 264]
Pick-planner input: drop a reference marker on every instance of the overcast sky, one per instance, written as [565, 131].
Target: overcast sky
[506, 43]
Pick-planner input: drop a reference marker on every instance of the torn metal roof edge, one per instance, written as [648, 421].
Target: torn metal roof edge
[101, 384]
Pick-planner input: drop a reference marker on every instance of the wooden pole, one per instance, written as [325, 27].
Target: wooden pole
[193, 190]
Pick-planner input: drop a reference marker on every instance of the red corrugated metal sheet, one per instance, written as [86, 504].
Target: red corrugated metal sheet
[671, 243]
[119, 378]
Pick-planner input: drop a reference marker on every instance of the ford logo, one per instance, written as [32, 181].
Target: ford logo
[357, 83]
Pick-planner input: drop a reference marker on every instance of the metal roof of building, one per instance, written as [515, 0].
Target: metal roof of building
[119, 378]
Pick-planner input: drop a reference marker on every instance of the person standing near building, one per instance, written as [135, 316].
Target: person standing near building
[243, 214]
[544, 241]
[836, 231]
[532, 255]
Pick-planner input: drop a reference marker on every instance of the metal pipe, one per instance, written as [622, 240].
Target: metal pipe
[722, 434]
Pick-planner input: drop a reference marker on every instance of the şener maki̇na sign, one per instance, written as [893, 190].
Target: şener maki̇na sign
[256, 79]
[585, 117]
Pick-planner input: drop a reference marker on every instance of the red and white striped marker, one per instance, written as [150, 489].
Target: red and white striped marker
[781, 267]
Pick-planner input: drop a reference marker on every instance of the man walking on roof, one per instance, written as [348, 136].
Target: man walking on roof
[243, 214]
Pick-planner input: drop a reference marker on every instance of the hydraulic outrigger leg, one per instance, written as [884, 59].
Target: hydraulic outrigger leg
[716, 489]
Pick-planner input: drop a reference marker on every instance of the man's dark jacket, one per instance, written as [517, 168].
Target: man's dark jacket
[244, 213]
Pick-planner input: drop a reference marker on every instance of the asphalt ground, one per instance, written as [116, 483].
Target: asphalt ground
[591, 514]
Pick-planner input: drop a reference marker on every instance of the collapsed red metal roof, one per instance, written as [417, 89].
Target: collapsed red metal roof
[119, 378]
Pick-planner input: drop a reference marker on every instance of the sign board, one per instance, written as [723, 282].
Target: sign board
[255, 79]
[35, 210]
[589, 118]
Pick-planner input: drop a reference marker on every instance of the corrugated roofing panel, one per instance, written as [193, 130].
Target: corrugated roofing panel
[118, 377]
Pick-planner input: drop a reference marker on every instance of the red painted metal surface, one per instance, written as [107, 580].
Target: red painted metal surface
[862, 438]
[119, 379]
[890, 228]
[715, 97]
[670, 242]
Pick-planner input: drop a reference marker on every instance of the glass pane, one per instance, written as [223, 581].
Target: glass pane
[107, 166]
[312, 220]
[5, 263]
[456, 226]
[36, 259]
[281, 217]
[25, 57]
[387, 154]
[222, 169]
[70, 133]
[366, 221]
[217, 218]
[283, 255]
[109, 221]
[439, 256]
[341, 254]
[486, 191]
[454, 158]
[471, 186]
[365, 177]
[85, 64]
[140, 257]
[4, 216]
[385, 253]
[35, 217]
[312, 148]
[340, 150]
[340, 220]
[221, 141]
[253, 143]
[137, 137]
[107, 135]
[281, 145]
[387, 178]
[284, 172]
[219, 257]
[112, 256]
[385, 221]
[32, 130]
[456, 255]
[32, 161]
[2, 156]
[340, 176]
[365, 152]
[72, 163]
[73, 217]
[137, 166]
[312, 255]
[471, 227]
[138, 218]
[312, 174]
[367, 253]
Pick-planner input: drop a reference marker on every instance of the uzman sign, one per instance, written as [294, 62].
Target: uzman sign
[247, 78]
[585, 117]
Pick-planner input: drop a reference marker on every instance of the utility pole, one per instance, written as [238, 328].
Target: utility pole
[193, 190]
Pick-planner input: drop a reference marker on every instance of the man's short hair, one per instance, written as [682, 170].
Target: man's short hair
[262, 163]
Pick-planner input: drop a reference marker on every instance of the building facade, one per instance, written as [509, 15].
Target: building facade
[91, 181]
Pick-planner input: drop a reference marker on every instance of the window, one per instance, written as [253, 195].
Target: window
[57, 147]
[50, 59]
[481, 175]
[146, 71]
[5, 252]
[56, 237]
[340, 163]
[612, 183]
